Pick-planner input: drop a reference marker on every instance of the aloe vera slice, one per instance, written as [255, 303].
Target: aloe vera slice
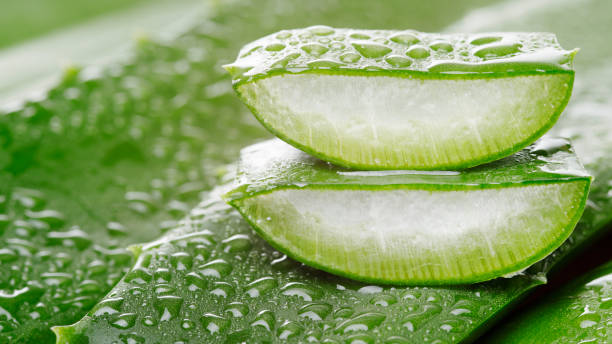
[376, 99]
[579, 313]
[408, 227]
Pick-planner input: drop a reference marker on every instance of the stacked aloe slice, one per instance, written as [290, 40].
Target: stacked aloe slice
[430, 171]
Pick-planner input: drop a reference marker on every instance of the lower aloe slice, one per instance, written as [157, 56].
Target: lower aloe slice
[375, 99]
[413, 227]
[579, 313]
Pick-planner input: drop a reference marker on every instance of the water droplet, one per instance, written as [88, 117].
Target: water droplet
[383, 300]
[115, 229]
[301, 290]
[264, 319]
[260, 286]
[404, 38]
[7, 255]
[360, 338]
[162, 275]
[124, 321]
[53, 218]
[275, 47]
[108, 306]
[283, 35]
[214, 323]
[343, 313]
[362, 322]
[350, 57]
[315, 49]
[138, 276]
[441, 47]
[418, 52]
[371, 50]
[358, 35]
[282, 63]
[315, 311]
[181, 261]
[222, 289]
[237, 309]
[131, 338]
[398, 61]
[501, 50]
[397, 340]
[237, 243]
[485, 40]
[216, 268]
[187, 324]
[75, 237]
[321, 30]
[149, 321]
[370, 289]
[289, 329]
[168, 306]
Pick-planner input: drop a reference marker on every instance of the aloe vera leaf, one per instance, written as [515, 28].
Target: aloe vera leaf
[212, 279]
[590, 139]
[410, 227]
[84, 166]
[404, 99]
[579, 312]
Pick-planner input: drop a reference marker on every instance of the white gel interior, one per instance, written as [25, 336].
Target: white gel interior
[405, 120]
[417, 234]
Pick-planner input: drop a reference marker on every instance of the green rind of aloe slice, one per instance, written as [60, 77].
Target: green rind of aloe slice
[580, 312]
[410, 227]
[379, 99]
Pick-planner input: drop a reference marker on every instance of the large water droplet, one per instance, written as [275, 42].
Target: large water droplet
[168, 306]
[315, 49]
[264, 319]
[214, 323]
[362, 322]
[237, 243]
[260, 286]
[315, 311]
[301, 290]
[371, 50]
[404, 38]
[217, 268]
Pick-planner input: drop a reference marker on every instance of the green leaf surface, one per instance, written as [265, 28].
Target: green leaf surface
[66, 168]
[579, 312]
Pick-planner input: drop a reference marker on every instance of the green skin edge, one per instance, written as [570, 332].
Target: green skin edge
[535, 325]
[412, 74]
[236, 203]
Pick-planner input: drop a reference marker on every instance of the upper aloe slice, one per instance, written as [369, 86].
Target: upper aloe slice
[377, 99]
[579, 313]
[412, 227]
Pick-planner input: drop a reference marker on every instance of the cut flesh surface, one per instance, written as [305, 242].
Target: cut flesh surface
[392, 108]
[410, 227]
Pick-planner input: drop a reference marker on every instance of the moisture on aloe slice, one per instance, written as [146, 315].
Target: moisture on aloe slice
[413, 227]
[377, 99]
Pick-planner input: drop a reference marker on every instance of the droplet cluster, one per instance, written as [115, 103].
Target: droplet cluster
[213, 279]
[322, 47]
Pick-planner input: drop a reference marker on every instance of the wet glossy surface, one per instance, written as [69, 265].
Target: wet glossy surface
[323, 47]
[579, 313]
[274, 164]
[129, 102]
